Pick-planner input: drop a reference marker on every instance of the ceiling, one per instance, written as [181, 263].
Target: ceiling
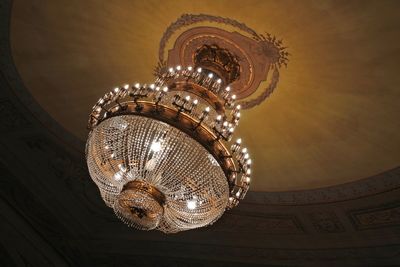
[333, 119]
[52, 213]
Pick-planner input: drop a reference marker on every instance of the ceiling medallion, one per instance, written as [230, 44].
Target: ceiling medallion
[161, 153]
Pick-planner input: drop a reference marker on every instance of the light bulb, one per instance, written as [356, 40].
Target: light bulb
[191, 204]
[210, 75]
[155, 146]
[118, 176]
[190, 68]
[137, 85]
[207, 109]
[198, 70]
[219, 81]
[178, 67]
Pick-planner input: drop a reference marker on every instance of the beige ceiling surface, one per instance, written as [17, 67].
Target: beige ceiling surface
[334, 118]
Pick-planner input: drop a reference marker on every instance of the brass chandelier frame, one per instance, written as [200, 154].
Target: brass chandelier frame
[179, 112]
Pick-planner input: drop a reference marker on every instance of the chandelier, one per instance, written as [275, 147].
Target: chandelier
[162, 153]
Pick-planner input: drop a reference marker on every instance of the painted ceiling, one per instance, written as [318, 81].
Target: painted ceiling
[334, 118]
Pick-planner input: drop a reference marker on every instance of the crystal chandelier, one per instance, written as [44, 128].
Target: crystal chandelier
[162, 153]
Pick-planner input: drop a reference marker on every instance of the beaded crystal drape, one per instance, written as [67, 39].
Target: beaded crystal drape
[133, 148]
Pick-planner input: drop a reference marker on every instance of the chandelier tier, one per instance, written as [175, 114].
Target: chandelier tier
[161, 153]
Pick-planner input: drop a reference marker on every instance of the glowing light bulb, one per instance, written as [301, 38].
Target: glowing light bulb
[248, 179]
[239, 141]
[198, 70]
[137, 85]
[118, 176]
[234, 97]
[195, 101]
[190, 68]
[238, 107]
[165, 89]
[187, 97]
[191, 204]
[116, 89]
[248, 172]
[178, 67]
[244, 150]
[210, 75]
[155, 146]
[152, 86]
[219, 81]
[228, 89]
[207, 109]
[248, 162]
[171, 70]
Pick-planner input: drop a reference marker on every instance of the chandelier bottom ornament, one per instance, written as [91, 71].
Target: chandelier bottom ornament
[140, 205]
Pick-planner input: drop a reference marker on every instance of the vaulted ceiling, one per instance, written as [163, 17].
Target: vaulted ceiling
[333, 118]
[326, 144]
